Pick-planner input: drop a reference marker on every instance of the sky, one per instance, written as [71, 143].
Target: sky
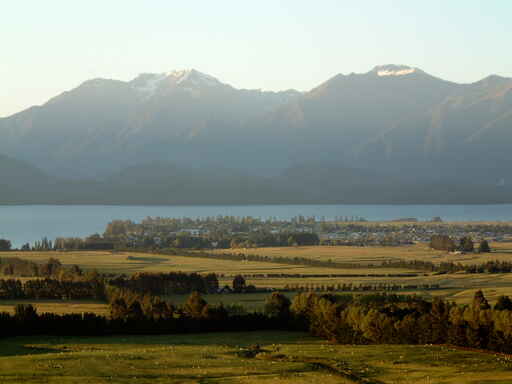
[48, 47]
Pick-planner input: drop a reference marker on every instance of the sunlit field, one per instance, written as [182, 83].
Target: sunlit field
[375, 255]
[458, 287]
[58, 306]
[131, 262]
[281, 357]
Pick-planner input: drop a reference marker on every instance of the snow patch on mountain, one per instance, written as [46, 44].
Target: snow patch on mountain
[148, 83]
[393, 70]
[400, 72]
[191, 77]
[188, 79]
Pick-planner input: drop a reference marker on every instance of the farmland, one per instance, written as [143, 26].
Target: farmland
[367, 257]
[58, 306]
[376, 255]
[265, 274]
[283, 357]
[131, 262]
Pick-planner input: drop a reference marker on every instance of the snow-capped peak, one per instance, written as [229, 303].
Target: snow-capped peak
[147, 83]
[393, 70]
[190, 79]
[193, 77]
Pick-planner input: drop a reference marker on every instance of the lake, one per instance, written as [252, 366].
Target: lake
[28, 223]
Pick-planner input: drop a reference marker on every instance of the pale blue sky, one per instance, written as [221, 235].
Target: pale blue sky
[54, 45]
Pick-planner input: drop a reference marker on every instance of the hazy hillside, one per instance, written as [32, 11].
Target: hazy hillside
[21, 182]
[467, 135]
[394, 134]
[402, 120]
[104, 125]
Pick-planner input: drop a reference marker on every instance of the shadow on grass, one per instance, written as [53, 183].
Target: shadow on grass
[147, 259]
[29, 344]
[20, 346]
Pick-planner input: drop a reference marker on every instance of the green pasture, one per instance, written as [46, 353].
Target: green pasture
[280, 357]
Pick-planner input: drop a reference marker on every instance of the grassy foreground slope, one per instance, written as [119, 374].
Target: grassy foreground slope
[284, 357]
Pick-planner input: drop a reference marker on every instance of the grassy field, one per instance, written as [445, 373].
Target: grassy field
[256, 301]
[250, 301]
[131, 262]
[376, 255]
[344, 254]
[284, 357]
[458, 287]
[58, 306]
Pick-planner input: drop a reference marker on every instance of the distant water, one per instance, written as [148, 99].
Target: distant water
[28, 223]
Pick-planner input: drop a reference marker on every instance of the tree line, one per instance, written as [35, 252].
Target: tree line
[64, 282]
[234, 256]
[362, 287]
[167, 283]
[350, 319]
[5, 245]
[14, 266]
[491, 266]
[133, 313]
[52, 289]
[389, 319]
[465, 244]
[96, 286]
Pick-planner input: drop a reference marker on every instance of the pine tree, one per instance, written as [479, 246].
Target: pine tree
[479, 301]
[466, 244]
[194, 305]
[503, 304]
[5, 245]
[484, 247]
[277, 306]
[238, 283]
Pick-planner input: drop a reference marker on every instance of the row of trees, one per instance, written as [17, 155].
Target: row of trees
[490, 266]
[365, 319]
[167, 283]
[465, 244]
[180, 240]
[232, 256]
[93, 242]
[394, 320]
[98, 287]
[52, 289]
[13, 266]
[268, 239]
[131, 313]
[5, 245]
[125, 304]
[362, 287]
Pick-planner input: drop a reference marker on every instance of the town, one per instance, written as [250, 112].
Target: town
[249, 232]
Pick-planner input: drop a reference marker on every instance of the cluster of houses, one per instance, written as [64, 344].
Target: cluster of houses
[217, 233]
[407, 232]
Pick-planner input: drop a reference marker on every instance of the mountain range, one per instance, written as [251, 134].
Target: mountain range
[392, 135]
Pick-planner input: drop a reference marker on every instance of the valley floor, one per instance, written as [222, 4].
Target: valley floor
[282, 357]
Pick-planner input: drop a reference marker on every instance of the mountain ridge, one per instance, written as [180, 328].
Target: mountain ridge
[394, 120]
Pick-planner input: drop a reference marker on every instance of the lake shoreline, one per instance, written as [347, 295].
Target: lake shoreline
[31, 222]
